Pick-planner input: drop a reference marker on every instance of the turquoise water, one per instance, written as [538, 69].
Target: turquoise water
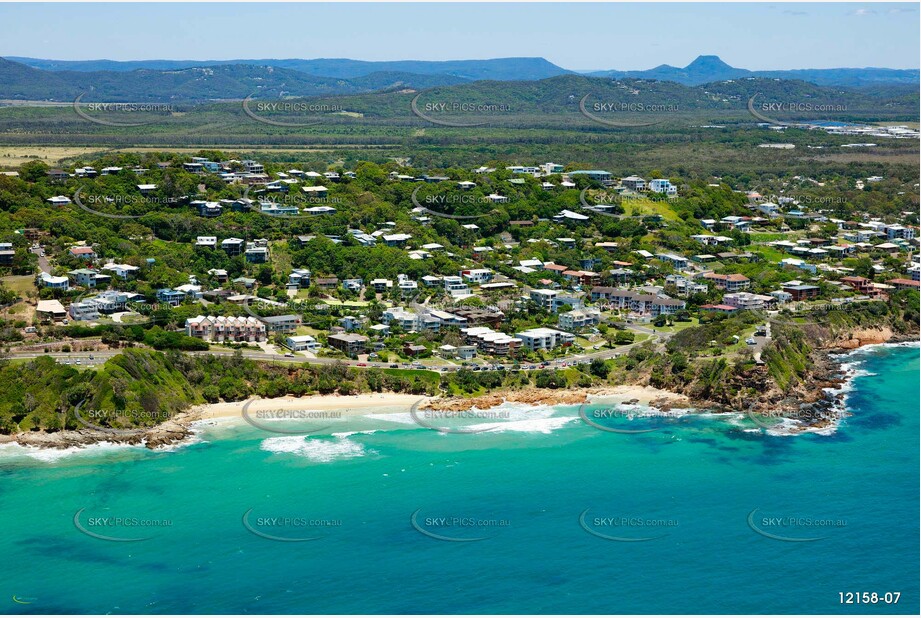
[692, 483]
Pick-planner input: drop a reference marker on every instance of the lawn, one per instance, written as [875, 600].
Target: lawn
[20, 283]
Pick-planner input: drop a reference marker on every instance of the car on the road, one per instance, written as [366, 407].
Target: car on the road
[289, 355]
[362, 364]
[78, 361]
[394, 366]
[751, 341]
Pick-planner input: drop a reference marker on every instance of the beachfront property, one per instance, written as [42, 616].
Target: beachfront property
[579, 319]
[489, 341]
[544, 338]
[299, 343]
[350, 344]
[226, 328]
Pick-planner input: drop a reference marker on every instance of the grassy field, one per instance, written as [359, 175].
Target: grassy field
[21, 284]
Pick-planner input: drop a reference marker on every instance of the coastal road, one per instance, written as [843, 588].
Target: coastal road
[99, 357]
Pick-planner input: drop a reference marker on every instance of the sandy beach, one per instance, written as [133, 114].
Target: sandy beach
[342, 405]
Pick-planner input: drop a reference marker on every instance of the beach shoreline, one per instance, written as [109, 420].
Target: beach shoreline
[181, 427]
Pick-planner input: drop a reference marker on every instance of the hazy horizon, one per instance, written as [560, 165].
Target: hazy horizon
[802, 36]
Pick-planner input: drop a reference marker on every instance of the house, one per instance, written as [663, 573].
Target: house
[349, 344]
[800, 291]
[55, 283]
[299, 278]
[730, 283]
[298, 343]
[85, 253]
[719, 308]
[83, 311]
[351, 322]
[634, 183]
[495, 198]
[170, 297]
[281, 323]
[327, 283]
[477, 275]
[597, 175]
[579, 319]
[746, 300]
[407, 320]
[256, 254]
[122, 271]
[89, 278]
[58, 200]
[455, 286]
[544, 338]
[861, 284]
[226, 328]
[899, 231]
[315, 192]
[904, 284]
[353, 285]
[233, 246]
[446, 319]
[207, 209]
[381, 285]
[50, 310]
[7, 253]
[206, 241]
[414, 350]
[489, 341]
[568, 215]
[677, 261]
[661, 185]
[396, 240]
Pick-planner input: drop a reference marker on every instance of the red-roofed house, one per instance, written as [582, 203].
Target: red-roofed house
[86, 253]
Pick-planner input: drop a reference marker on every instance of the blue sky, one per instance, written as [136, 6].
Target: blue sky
[574, 36]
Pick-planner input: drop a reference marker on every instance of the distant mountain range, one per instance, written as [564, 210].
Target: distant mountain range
[501, 69]
[706, 69]
[194, 81]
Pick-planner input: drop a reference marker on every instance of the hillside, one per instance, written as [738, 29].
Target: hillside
[497, 68]
[711, 68]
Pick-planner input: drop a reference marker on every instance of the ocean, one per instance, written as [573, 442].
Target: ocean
[543, 514]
